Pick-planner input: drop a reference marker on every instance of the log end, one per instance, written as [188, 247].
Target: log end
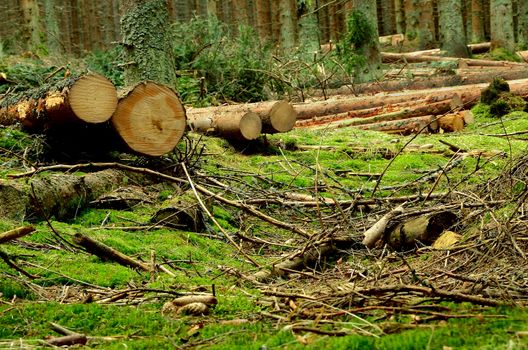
[93, 98]
[150, 119]
[250, 126]
[282, 117]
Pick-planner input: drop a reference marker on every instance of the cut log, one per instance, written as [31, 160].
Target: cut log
[473, 75]
[391, 57]
[276, 116]
[469, 95]
[58, 195]
[405, 126]
[452, 122]
[236, 125]
[421, 230]
[90, 98]
[15, 233]
[150, 119]
[349, 119]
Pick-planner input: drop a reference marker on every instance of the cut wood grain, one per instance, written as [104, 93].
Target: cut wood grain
[89, 98]
[150, 119]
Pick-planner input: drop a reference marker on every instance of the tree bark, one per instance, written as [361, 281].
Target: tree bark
[388, 17]
[469, 94]
[522, 31]
[477, 21]
[240, 125]
[426, 28]
[501, 25]
[86, 99]
[147, 45]
[452, 34]
[32, 29]
[399, 16]
[150, 119]
[288, 24]
[263, 19]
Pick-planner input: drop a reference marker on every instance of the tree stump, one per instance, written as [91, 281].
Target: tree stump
[150, 119]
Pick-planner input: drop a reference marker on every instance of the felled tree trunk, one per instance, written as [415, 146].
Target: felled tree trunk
[150, 119]
[183, 213]
[469, 94]
[421, 230]
[276, 116]
[90, 99]
[392, 57]
[57, 195]
[237, 125]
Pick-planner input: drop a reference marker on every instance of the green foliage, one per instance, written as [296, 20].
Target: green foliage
[360, 34]
[26, 74]
[106, 63]
[501, 54]
[210, 60]
[492, 92]
[501, 102]
[10, 289]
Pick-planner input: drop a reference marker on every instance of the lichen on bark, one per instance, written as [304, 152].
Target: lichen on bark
[146, 40]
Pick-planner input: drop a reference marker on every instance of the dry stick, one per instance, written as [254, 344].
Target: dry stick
[105, 252]
[11, 264]
[15, 233]
[227, 235]
[249, 209]
[68, 340]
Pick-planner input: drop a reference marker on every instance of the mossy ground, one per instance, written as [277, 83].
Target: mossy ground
[198, 258]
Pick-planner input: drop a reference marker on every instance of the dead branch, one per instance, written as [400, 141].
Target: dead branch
[15, 233]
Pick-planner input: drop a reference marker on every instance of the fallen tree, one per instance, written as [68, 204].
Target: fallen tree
[276, 116]
[85, 99]
[150, 119]
[236, 125]
[468, 94]
[392, 57]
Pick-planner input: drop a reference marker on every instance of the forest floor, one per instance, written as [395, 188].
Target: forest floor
[351, 298]
[279, 245]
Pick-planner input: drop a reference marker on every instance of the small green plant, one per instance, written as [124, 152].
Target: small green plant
[105, 62]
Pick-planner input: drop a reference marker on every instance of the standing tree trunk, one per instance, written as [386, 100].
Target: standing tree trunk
[150, 119]
[426, 28]
[522, 31]
[388, 17]
[477, 21]
[52, 27]
[452, 34]
[288, 24]
[367, 49]
[146, 42]
[263, 19]
[399, 16]
[31, 27]
[501, 25]
[411, 20]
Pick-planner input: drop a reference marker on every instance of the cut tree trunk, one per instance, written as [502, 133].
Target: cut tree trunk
[90, 98]
[469, 94]
[466, 76]
[417, 110]
[276, 116]
[452, 122]
[150, 119]
[390, 57]
[237, 125]
[426, 123]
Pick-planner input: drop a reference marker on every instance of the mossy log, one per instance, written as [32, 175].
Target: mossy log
[57, 195]
[150, 119]
[86, 99]
[426, 123]
[276, 116]
[236, 125]
[183, 212]
[422, 230]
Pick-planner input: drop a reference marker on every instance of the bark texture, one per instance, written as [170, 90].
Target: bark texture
[452, 34]
[147, 43]
[501, 25]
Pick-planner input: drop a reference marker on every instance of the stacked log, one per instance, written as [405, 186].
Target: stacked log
[149, 118]
[90, 99]
[427, 110]
[244, 122]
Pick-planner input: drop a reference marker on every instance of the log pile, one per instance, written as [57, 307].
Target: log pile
[149, 118]
[433, 110]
